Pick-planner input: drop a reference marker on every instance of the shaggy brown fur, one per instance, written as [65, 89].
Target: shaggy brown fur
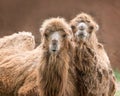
[22, 40]
[15, 69]
[106, 62]
[92, 63]
[53, 78]
[16, 43]
[29, 87]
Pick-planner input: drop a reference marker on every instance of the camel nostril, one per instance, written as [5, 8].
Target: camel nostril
[53, 50]
[82, 28]
[81, 34]
[54, 42]
[54, 46]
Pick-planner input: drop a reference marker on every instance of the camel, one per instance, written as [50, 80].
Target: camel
[52, 63]
[53, 76]
[43, 71]
[93, 69]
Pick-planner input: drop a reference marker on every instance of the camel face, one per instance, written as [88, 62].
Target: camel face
[81, 33]
[83, 26]
[56, 40]
[55, 33]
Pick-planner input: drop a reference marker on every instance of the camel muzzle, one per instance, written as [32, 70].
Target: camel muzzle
[54, 46]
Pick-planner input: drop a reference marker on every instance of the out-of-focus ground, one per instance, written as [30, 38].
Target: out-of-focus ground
[118, 89]
[27, 15]
[117, 75]
[118, 86]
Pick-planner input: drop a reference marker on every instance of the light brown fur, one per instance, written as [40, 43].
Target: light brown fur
[15, 69]
[92, 63]
[23, 40]
[16, 43]
[29, 87]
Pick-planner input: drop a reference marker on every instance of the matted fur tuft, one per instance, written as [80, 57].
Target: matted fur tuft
[15, 71]
[17, 39]
[16, 43]
[58, 23]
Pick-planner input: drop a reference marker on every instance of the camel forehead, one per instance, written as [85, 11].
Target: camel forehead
[55, 35]
[81, 19]
[84, 16]
[52, 29]
[82, 24]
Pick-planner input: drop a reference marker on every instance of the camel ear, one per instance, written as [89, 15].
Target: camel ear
[94, 27]
[41, 31]
[41, 34]
[97, 27]
[73, 27]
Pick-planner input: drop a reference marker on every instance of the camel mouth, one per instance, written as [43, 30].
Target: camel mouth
[81, 35]
[81, 39]
[54, 50]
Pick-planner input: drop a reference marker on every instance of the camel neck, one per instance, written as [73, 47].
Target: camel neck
[85, 57]
[53, 74]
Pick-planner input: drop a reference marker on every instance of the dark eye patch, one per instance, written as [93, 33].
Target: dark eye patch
[64, 35]
[91, 27]
[73, 27]
[46, 35]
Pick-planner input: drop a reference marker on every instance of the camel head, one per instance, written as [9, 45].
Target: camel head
[83, 26]
[55, 32]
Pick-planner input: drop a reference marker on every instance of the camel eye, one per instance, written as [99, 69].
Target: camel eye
[64, 36]
[91, 27]
[73, 27]
[45, 35]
